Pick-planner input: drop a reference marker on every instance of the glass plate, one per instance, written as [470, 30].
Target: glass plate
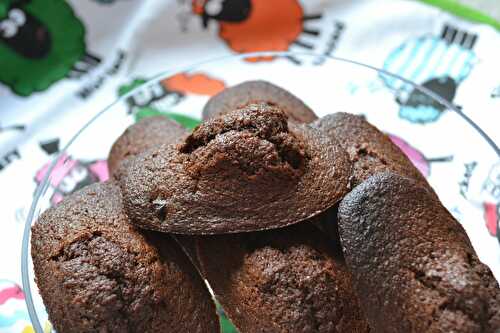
[437, 135]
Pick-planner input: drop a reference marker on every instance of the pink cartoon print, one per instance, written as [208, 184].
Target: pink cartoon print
[70, 175]
[9, 290]
[492, 206]
[14, 317]
[422, 163]
[492, 218]
[13, 312]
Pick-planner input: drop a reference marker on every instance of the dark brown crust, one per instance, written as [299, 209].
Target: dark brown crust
[285, 280]
[246, 171]
[258, 91]
[369, 150]
[141, 136]
[96, 272]
[412, 263]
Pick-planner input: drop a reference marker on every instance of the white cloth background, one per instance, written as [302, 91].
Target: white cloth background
[141, 38]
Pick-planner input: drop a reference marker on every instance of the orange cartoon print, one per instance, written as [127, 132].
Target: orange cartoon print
[197, 84]
[257, 25]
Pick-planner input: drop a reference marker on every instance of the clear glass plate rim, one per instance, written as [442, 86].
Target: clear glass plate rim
[44, 183]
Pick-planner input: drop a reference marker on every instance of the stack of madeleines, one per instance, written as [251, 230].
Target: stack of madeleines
[297, 224]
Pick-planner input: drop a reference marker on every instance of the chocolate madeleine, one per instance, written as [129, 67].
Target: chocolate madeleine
[248, 170]
[141, 136]
[412, 263]
[369, 150]
[285, 280]
[254, 92]
[97, 273]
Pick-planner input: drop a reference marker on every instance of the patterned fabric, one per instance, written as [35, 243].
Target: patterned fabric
[62, 61]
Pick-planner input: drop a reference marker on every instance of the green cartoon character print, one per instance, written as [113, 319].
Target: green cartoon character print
[160, 98]
[142, 103]
[41, 42]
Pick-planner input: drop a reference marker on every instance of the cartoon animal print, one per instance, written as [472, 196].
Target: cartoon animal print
[12, 307]
[8, 158]
[258, 25]
[158, 98]
[225, 324]
[439, 63]
[9, 290]
[197, 84]
[491, 200]
[41, 42]
[106, 2]
[422, 163]
[70, 175]
[495, 93]
[50, 146]
[14, 317]
[492, 183]
[148, 95]
[492, 218]
[15, 127]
